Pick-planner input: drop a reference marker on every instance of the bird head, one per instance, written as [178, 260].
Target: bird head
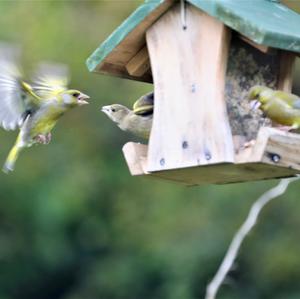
[72, 98]
[115, 112]
[258, 95]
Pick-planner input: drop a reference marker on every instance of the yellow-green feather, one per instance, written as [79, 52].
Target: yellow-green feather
[12, 157]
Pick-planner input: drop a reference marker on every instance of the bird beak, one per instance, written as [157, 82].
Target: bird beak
[82, 99]
[105, 109]
[254, 105]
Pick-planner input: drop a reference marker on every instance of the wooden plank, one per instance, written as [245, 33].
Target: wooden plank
[136, 156]
[125, 42]
[273, 146]
[275, 154]
[139, 64]
[285, 77]
[224, 173]
[119, 71]
[292, 4]
[283, 150]
[190, 125]
[261, 48]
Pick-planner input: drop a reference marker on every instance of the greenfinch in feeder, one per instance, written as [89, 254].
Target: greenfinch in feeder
[33, 108]
[137, 121]
[281, 107]
[144, 105]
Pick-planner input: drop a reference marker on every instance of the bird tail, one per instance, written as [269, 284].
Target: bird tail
[12, 157]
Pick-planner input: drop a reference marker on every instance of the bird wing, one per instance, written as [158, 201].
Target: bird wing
[144, 105]
[12, 95]
[50, 79]
[290, 99]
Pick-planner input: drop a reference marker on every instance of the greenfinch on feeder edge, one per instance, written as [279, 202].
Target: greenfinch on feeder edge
[33, 108]
[281, 107]
[137, 121]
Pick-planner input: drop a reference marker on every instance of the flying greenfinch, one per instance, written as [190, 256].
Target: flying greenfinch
[281, 107]
[137, 121]
[33, 108]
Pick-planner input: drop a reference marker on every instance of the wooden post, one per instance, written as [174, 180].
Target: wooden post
[285, 77]
[190, 125]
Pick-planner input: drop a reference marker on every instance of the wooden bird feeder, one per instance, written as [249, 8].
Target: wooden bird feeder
[202, 57]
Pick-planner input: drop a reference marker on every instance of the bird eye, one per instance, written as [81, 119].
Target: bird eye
[113, 110]
[75, 94]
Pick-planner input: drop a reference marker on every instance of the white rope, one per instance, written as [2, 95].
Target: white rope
[214, 285]
[183, 14]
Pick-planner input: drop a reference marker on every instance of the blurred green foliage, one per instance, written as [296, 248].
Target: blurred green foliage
[74, 224]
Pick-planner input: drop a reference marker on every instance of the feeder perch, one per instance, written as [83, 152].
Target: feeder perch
[202, 57]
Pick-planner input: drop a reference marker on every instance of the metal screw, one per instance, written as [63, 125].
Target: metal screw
[207, 156]
[275, 158]
[185, 144]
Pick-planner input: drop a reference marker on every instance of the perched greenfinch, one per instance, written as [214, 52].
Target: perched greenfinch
[33, 108]
[281, 107]
[144, 105]
[137, 121]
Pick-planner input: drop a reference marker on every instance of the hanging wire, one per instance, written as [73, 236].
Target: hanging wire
[183, 14]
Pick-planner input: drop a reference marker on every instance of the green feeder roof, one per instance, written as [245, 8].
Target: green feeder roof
[265, 22]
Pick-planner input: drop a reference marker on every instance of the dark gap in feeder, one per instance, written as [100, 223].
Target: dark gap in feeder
[247, 67]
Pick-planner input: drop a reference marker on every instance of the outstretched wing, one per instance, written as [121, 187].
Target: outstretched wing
[144, 105]
[12, 95]
[50, 79]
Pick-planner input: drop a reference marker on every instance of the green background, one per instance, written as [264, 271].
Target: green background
[74, 224]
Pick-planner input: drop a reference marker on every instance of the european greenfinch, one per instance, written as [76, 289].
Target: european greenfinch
[144, 105]
[137, 121]
[281, 107]
[33, 108]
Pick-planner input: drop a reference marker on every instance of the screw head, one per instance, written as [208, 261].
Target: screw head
[185, 144]
[275, 158]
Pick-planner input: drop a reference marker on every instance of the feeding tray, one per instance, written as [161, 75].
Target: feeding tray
[202, 57]
[275, 154]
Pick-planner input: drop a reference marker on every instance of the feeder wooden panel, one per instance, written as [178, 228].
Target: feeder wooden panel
[190, 124]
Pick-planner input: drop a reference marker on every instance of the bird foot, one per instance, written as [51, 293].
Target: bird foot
[48, 137]
[43, 139]
[249, 143]
[286, 128]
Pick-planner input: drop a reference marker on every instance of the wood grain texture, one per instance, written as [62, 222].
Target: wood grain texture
[190, 125]
[261, 48]
[285, 77]
[266, 23]
[282, 149]
[276, 154]
[112, 56]
[139, 64]
[292, 4]
[136, 156]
